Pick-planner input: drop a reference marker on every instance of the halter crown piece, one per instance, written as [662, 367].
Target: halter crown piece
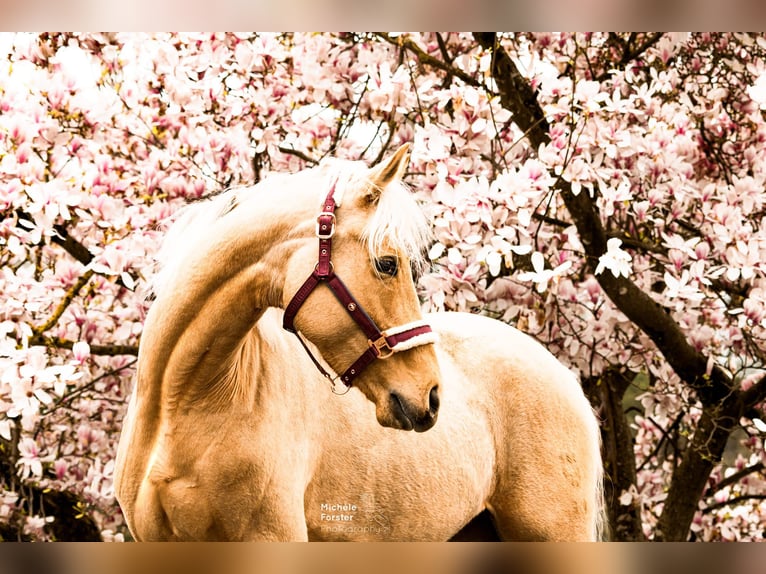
[381, 344]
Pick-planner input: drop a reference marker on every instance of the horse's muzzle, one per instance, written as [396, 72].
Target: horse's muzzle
[410, 417]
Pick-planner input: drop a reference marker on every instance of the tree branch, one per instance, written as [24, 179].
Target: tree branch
[550, 220]
[429, 60]
[733, 501]
[65, 302]
[71, 245]
[62, 238]
[665, 438]
[106, 350]
[516, 94]
[629, 53]
[87, 387]
[736, 477]
[297, 153]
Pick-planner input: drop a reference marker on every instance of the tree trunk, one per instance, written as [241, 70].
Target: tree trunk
[607, 394]
[689, 479]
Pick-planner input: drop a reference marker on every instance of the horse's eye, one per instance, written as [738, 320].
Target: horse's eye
[387, 266]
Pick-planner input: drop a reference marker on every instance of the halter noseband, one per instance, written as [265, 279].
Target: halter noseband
[381, 344]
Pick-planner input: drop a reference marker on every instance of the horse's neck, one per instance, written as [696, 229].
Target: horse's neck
[196, 333]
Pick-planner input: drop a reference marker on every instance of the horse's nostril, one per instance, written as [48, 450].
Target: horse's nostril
[433, 400]
[399, 411]
[411, 417]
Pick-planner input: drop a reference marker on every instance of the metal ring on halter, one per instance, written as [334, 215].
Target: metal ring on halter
[381, 346]
[334, 385]
[332, 267]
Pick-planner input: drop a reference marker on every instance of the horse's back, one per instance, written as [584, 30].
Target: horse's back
[548, 462]
[513, 368]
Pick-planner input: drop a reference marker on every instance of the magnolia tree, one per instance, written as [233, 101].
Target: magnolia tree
[602, 192]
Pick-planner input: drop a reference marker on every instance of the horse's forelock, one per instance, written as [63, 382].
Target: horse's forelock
[398, 221]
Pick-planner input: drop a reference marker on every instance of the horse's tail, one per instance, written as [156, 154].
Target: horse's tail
[602, 531]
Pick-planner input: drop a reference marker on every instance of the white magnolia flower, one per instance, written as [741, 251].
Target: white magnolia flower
[615, 259]
[29, 459]
[682, 288]
[541, 276]
[758, 91]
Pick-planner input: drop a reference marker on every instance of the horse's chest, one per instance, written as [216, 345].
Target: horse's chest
[419, 487]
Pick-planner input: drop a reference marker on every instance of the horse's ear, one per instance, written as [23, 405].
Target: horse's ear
[387, 171]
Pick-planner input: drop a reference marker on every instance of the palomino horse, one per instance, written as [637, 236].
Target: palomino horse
[232, 433]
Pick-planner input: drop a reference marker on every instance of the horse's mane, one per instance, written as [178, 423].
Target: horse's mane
[398, 221]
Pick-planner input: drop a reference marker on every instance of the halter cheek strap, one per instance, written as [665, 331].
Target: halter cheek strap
[381, 344]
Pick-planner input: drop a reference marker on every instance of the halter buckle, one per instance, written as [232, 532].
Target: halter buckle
[381, 346]
[322, 225]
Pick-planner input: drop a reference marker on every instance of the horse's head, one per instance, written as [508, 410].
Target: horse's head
[368, 243]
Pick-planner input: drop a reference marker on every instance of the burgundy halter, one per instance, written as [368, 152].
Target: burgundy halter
[381, 344]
